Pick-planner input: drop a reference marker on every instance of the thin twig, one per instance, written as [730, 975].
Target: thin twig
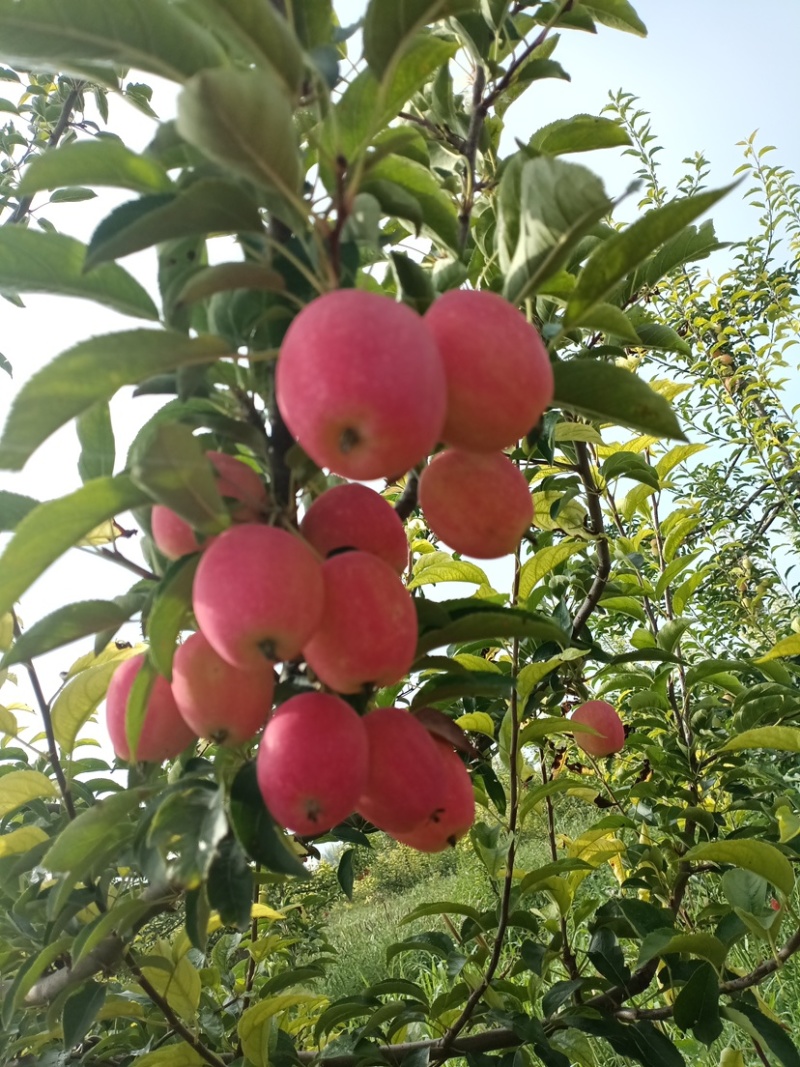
[47, 722]
[603, 571]
[121, 561]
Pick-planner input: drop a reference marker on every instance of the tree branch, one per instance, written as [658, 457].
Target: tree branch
[603, 571]
[408, 498]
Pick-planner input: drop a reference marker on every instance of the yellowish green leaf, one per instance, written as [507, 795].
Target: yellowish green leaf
[476, 722]
[570, 518]
[19, 787]
[777, 738]
[181, 1055]
[476, 663]
[789, 646]
[254, 1028]
[79, 698]
[21, 840]
[577, 431]
[436, 567]
[760, 857]
[181, 986]
[545, 561]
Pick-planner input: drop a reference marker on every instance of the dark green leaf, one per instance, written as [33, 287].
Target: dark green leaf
[33, 262]
[581, 133]
[624, 251]
[654, 334]
[697, 1005]
[207, 208]
[171, 607]
[438, 210]
[345, 875]
[80, 1011]
[260, 837]
[413, 282]
[53, 527]
[96, 435]
[629, 465]
[197, 916]
[99, 162]
[224, 277]
[63, 626]
[230, 884]
[187, 830]
[94, 37]
[691, 244]
[13, 509]
[763, 1030]
[447, 688]
[390, 29]
[491, 624]
[71, 195]
[611, 320]
[641, 1042]
[618, 14]
[93, 371]
[607, 956]
[136, 706]
[545, 207]
[612, 394]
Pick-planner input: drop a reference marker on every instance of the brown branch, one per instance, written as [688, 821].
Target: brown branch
[174, 1020]
[488, 1041]
[47, 722]
[24, 205]
[121, 561]
[603, 571]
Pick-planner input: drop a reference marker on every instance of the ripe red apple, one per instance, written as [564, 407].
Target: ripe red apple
[164, 733]
[449, 823]
[477, 503]
[603, 718]
[360, 384]
[258, 594]
[499, 377]
[353, 516]
[174, 537]
[220, 702]
[368, 632]
[312, 762]
[404, 783]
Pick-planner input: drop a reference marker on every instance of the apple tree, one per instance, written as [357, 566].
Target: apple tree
[393, 251]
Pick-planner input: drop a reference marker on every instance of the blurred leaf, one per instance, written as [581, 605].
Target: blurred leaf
[80, 1012]
[63, 626]
[581, 133]
[611, 394]
[789, 646]
[345, 875]
[13, 509]
[763, 1030]
[96, 436]
[618, 14]
[261, 838]
[98, 162]
[89, 372]
[230, 884]
[20, 787]
[777, 738]
[208, 207]
[389, 30]
[83, 692]
[51, 528]
[93, 37]
[18, 842]
[170, 610]
[492, 625]
[447, 688]
[34, 262]
[226, 276]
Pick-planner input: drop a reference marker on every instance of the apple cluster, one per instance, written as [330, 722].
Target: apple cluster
[369, 389]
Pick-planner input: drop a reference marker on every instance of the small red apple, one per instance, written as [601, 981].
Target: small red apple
[354, 516]
[258, 594]
[499, 377]
[404, 783]
[220, 702]
[164, 733]
[603, 718]
[448, 824]
[360, 384]
[368, 632]
[174, 537]
[477, 503]
[312, 762]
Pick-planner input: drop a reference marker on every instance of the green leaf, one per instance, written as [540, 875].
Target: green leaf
[618, 14]
[492, 625]
[171, 607]
[691, 244]
[413, 282]
[169, 464]
[443, 907]
[34, 262]
[79, 698]
[20, 787]
[751, 855]
[224, 277]
[629, 465]
[434, 567]
[261, 31]
[80, 1011]
[789, 646]
[654, 334]
[776, 738]
[390, 29]
[93, 371]
[438, 211]
[242, 119]
[697, 1005]
[763, 1030]
[136, 705]
[581, 133]
[13, 509]
[620, 254]
[543, 563]
[641, 1042]
[94, 37]
[607, 957]
[345, 874]
[230, 884]
[102, 161]
[545, 207]
[609, 393]
[96, 436]
[207, 208]
[63, 626]
[610, 320]
[258, 834]
[51, 528]
[447, 688]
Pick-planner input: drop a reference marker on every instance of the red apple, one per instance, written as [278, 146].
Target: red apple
[499, 377]
[353, 516]
[477, 503]
[360, 384]
[174, 537]
[404, 784]
[603, 718]
[258, 594]
[164, 733]
[220, 702]
[368, 632]
[449, 823]
[312, 762]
